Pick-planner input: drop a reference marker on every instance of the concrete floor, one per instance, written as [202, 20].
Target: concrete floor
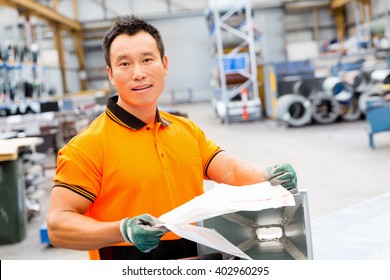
[334, 164]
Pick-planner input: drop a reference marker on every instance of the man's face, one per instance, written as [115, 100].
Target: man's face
[137, 71]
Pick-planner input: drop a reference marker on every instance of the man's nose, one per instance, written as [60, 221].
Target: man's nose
[138, 72]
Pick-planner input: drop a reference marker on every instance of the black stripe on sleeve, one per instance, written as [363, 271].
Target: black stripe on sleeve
[76, 189]
[208, 164]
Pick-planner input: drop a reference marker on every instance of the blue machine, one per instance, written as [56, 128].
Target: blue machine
[44, 235]
[378, 117]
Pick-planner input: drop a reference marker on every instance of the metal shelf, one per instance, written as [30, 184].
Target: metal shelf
[232, 32]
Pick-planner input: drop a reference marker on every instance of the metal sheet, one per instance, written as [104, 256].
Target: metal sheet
[271, 234]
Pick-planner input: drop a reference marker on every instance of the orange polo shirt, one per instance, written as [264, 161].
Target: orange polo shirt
[126, 167]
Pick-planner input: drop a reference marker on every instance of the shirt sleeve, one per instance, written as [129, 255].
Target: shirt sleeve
[77, 170]
[208, 149]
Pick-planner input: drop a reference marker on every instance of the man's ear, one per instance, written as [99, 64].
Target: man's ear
[165, 64]
[110, 77]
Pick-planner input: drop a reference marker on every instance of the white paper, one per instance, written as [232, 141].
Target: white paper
[223, 199]
[207, 237]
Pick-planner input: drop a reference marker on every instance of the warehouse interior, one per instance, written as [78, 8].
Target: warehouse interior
[298, 81]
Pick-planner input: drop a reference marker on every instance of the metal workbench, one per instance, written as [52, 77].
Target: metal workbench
[360, 232]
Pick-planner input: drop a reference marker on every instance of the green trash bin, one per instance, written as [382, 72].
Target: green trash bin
[13, 218]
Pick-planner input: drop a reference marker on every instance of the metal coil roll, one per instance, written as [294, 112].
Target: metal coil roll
[381, 76]
[293, 109]
[365, 97]
[357, 80]
[303, 88]
[335, 87]
[349, 111]
[325, 109]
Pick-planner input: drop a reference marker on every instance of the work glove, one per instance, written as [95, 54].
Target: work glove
[282, 174]
[141, 231]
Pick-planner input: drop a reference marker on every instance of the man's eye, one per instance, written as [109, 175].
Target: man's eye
[148, 59]
[123, 64]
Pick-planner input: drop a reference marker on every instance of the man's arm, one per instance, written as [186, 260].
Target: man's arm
[227, 169]
[69, 228]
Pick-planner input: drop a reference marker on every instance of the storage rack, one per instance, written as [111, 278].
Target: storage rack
[236, 85]
[21, 79]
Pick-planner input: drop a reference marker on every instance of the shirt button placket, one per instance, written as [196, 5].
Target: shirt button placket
[160, 152]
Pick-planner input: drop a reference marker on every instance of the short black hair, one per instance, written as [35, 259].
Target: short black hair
[130, 25]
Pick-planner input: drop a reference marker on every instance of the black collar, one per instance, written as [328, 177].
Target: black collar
[124, 118]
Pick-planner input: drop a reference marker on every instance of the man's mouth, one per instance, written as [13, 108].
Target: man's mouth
[140, 88]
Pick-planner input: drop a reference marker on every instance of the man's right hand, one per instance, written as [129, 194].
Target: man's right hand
[142, 232]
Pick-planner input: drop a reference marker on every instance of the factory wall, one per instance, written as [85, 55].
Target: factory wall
[270, 23]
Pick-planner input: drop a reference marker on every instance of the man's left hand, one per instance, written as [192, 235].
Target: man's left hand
[282, 174]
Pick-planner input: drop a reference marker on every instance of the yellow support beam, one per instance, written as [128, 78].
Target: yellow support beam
[75, 9]
[340, 24]
[60, 50]
[78, 42]
[316, 28]
[335, 4]
[44, 12]
[338, 9]
[55, 5]
[367, 10]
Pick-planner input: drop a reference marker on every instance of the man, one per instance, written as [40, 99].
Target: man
[134, 162]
